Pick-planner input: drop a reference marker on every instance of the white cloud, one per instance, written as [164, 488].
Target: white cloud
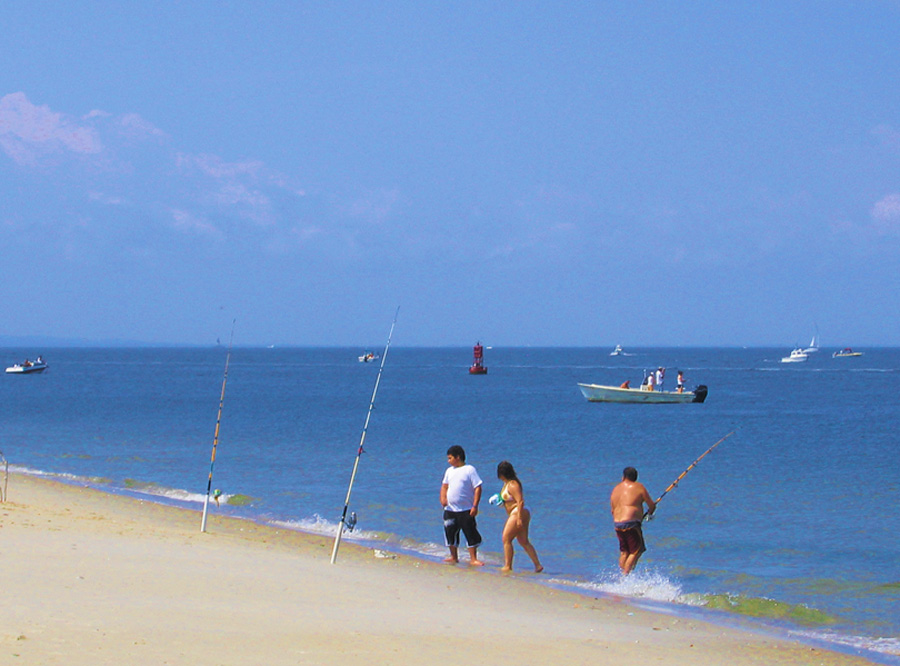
[134, 124]
[28, 132]
[123, 161]
[214, 166]
[375, 206]
[109, 200]
[187, 222]
[886, 214]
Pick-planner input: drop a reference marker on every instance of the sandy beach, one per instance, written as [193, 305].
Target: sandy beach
[92, 578]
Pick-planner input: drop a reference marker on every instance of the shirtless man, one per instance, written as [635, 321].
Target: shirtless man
[627, 506]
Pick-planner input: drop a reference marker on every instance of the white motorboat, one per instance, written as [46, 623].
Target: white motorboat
[797, 356]
[27, 367]
[846, 352]
[368, 357]
[600, 393]
[617, 351]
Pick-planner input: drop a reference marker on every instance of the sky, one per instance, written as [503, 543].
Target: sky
[515, 173]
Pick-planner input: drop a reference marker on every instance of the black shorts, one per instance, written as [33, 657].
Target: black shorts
[460, 521]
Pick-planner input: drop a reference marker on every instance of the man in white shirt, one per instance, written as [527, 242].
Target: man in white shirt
[460, 496]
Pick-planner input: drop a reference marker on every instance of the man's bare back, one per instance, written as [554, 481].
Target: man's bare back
[627, 501]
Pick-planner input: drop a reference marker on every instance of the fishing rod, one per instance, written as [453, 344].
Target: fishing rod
[351, 523]
[690, 467]
[5, 476]
[212, 461]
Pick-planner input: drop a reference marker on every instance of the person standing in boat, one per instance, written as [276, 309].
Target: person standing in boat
[460, 496]
[651, 381]
[679, 382]
[627, 506]
[518, 517]
[660, 378]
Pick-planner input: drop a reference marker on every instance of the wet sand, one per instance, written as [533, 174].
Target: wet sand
[93, 578]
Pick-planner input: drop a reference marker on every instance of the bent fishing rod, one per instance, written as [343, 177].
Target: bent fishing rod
[352, 523]
[212, 461]
[685, 472]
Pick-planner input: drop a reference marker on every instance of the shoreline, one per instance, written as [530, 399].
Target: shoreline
[94, 577]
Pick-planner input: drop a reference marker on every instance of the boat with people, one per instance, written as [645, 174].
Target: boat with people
[796, 356]
[617, 351]
[28, 367]
[846, 352]
[368, 357]
[601, 393]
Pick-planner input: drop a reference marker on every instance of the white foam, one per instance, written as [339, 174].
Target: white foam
[319, 525]
[648, 585]
[175, 494]
[887, 646]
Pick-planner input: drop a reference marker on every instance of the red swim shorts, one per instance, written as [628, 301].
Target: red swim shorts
[631, 539]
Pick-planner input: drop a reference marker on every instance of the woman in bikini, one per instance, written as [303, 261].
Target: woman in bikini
[517, 517]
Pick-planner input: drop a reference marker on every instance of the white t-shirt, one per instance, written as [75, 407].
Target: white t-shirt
[461, 483]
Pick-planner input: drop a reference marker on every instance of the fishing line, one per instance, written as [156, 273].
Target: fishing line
[690, 467]
[212, 461]
[352, 523]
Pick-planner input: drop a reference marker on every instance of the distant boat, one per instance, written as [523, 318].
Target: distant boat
[617, 351]
[600, 393]
[813, 344]
[27, 367]
[478, 367]
[797, 356]
[846, 352]
[368, 357]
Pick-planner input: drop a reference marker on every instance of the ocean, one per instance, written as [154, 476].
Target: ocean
[789, 526]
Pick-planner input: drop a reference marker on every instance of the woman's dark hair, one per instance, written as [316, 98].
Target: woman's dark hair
[506, 470]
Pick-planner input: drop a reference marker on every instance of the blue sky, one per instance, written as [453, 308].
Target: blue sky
[518, 173]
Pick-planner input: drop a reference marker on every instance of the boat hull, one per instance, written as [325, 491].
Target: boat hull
[599, 393]
[797, 356]
[26, 370]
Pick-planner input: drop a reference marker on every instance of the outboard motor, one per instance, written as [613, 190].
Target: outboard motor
[700, 393]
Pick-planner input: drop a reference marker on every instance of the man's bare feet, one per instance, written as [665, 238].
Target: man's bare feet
[476, 563]
[538, 569]
[506, 569]
[451, 560]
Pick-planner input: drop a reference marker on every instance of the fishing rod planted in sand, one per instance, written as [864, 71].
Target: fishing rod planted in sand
[351, 522]
[212, 461]
[685, 472]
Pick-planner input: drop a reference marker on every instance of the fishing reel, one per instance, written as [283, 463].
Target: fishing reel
[350, 522]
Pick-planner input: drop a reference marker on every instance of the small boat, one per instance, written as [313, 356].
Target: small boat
[27, 367]
[617, 351]
[368, 357]
[599, 393]
[478, 367]
[846, 352]
[813, 344]
[797, 356]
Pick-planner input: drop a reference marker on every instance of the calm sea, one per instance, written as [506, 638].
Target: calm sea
[792, 522]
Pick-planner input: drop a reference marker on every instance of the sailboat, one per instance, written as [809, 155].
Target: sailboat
[813, 344]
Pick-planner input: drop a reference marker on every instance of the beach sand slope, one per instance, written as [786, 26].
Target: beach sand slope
[91, 578]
